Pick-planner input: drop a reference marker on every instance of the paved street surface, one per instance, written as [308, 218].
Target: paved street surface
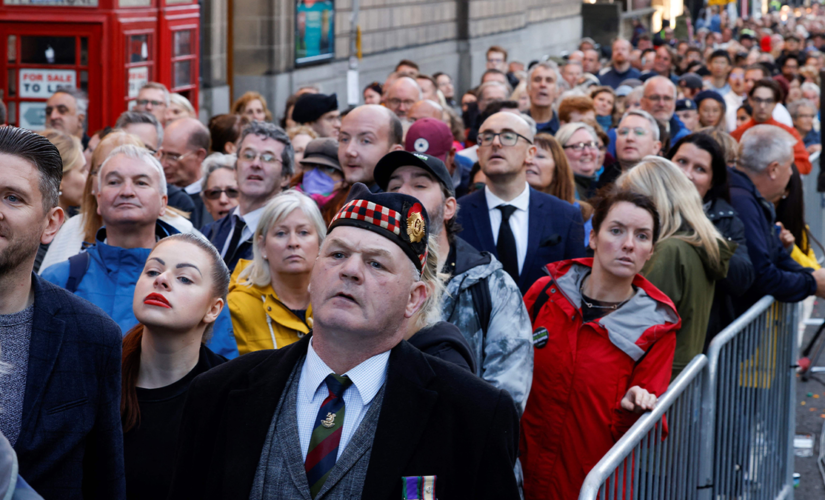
[809, 420]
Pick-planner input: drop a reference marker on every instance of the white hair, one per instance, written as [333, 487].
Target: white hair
[136, 153]
[762, 145]
[654, 125]
[212, 163]
[810, 86]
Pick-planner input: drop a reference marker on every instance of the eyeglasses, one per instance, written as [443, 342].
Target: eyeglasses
[146, 102]
[266, 156]
[395, 102]
[637, 131]
[173, 157]
[506, 138]
[215, 193]
[582, 146]
[659, 98]
[762, 102]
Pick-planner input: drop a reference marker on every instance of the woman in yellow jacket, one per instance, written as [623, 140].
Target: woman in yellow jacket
[269, 295]
[791, 226]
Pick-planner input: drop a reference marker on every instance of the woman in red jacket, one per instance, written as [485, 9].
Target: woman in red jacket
[604, 340]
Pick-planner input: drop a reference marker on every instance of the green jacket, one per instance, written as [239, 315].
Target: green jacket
[686, 275]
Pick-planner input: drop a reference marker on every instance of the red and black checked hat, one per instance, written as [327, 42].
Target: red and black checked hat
[396, 216]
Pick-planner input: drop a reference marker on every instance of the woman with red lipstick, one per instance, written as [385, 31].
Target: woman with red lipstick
[269, 295]
[178, 297]
[603, 346]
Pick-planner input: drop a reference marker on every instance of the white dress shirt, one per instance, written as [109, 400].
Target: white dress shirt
[519, 221]
[251, 219]
[193, 188]
[367, 379]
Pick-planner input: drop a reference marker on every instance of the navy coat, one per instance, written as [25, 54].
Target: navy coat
[71, 440]
[218, 232]
[555, 232]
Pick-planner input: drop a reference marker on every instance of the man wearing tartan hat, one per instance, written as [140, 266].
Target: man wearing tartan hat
[351, 410]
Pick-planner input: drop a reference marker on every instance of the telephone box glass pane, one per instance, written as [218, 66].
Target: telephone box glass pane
[12, 48]
[84, 51]
[48, 49]
[84, 80]
[182, 45]
[182, 73]
[12, 112]
[138, 48]
[12, 81]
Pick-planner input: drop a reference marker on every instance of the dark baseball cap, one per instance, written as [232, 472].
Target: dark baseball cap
[323, 151]
[691, 81]
[397, 159]
[429, 136]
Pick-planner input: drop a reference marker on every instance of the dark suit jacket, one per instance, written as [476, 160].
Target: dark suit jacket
[555, 232]
[436, 419]
[218, 232]
[71, 442]
[177, 198]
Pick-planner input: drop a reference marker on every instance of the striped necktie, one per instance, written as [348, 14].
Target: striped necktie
[326, 436]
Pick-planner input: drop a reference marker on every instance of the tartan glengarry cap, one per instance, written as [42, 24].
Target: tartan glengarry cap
[398, 217]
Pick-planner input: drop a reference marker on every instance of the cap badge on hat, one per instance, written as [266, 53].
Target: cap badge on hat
[421, 145]
[415, 223]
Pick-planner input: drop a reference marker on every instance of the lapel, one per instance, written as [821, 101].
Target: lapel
[480, 216]
[44, 347]
[220, 231]
[534, 232]
[249, 413]
[405, 413]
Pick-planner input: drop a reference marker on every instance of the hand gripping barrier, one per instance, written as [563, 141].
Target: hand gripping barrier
[724, 428]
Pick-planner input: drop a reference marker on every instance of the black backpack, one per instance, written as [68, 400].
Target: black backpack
[78, 265]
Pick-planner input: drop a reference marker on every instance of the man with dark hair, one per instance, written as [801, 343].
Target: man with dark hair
[405, 67]
[753, 74]
[352, 410]
[367, 133]
[265, 159]
[61, 401]
[319, 112]
[66, 111]
[481, 299]
[720, 65]
[186, 144]
[763, 98]
[497, 58]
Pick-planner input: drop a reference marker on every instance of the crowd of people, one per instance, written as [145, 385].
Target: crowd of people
[466, 295]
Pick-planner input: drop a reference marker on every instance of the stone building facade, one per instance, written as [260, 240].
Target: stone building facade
[440, 35]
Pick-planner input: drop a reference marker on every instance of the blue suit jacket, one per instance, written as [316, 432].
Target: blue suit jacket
[555, 232]
[71, 442]
[218, 232]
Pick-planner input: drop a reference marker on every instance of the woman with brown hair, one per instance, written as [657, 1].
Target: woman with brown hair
[550, 172]
[252, 106]
[178, 297]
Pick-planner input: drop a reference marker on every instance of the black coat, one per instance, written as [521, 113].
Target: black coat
[71, 440]
[435, 419]
[740, 270]
[445, 341]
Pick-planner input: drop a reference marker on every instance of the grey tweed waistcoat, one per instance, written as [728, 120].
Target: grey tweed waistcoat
[281, 474]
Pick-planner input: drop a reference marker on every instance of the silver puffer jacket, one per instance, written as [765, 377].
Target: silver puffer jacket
[504, 357]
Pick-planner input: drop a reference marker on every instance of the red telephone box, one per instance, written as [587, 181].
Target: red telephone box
[109, 48]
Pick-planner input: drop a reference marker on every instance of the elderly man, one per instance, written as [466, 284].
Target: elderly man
[659, 100]
[637, 136]
[620, 68]
[367, 133]
[61, 354]
[320, 112]
[185, 146]
[153, 98]
[489, 93]
[497, 327]
[760, 180]
[149, 130]
[572, 73]
[265, 159]
[131, 198]
[763, 98]
[542, 87]
[401, 96]
[524, 228]
[352, 409]
[66, 111]
[662, 65]
[426, 109]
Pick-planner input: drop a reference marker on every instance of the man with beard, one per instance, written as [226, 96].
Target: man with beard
[620, 68]
[61, 399]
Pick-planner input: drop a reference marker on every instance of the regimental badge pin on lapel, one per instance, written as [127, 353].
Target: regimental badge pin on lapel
[329, 421]
[418, 487]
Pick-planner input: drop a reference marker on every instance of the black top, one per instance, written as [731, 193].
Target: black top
[594, 309]
[301, 313]
[444, 340]
[149, 447]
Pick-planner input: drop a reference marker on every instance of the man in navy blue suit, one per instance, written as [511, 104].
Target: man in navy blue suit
[524, 228]
[60, 393]
[265, 159]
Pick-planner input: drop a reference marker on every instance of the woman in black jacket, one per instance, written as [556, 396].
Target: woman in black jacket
[702, 159]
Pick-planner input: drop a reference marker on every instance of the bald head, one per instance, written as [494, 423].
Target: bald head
[659, 98]
[426, 109]
[401, 96]
[367, 134]
[502, 159]
[508, 120]
[184, 147]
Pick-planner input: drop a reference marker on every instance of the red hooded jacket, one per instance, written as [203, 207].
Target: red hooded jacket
[573, 414]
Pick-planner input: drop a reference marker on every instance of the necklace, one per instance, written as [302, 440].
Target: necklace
[613, 306]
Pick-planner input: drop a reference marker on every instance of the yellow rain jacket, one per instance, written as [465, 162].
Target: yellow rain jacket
[260, 319]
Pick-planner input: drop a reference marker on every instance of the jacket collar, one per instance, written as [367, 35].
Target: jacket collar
[466, 257]
[741, 180]
[162, 230]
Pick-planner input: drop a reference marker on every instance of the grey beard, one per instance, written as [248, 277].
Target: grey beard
[436, 221]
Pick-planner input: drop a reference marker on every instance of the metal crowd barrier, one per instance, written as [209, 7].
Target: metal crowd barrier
[814, 204]
[724, 429]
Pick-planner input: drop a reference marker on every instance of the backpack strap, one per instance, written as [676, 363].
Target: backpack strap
[541, 299]
[483, 304]
[78, 265]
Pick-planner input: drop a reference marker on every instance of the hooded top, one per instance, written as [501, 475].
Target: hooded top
[687, 276]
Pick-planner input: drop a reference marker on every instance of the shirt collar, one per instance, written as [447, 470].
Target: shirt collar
[193, 188]
[363, 376]
[252, 218]
[521, 202]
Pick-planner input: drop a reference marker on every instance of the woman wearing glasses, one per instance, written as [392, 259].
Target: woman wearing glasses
[691, 255]
[581, 146]
[269, 295]
[219, 186]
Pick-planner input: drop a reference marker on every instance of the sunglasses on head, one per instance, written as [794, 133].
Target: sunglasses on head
[214, 194]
